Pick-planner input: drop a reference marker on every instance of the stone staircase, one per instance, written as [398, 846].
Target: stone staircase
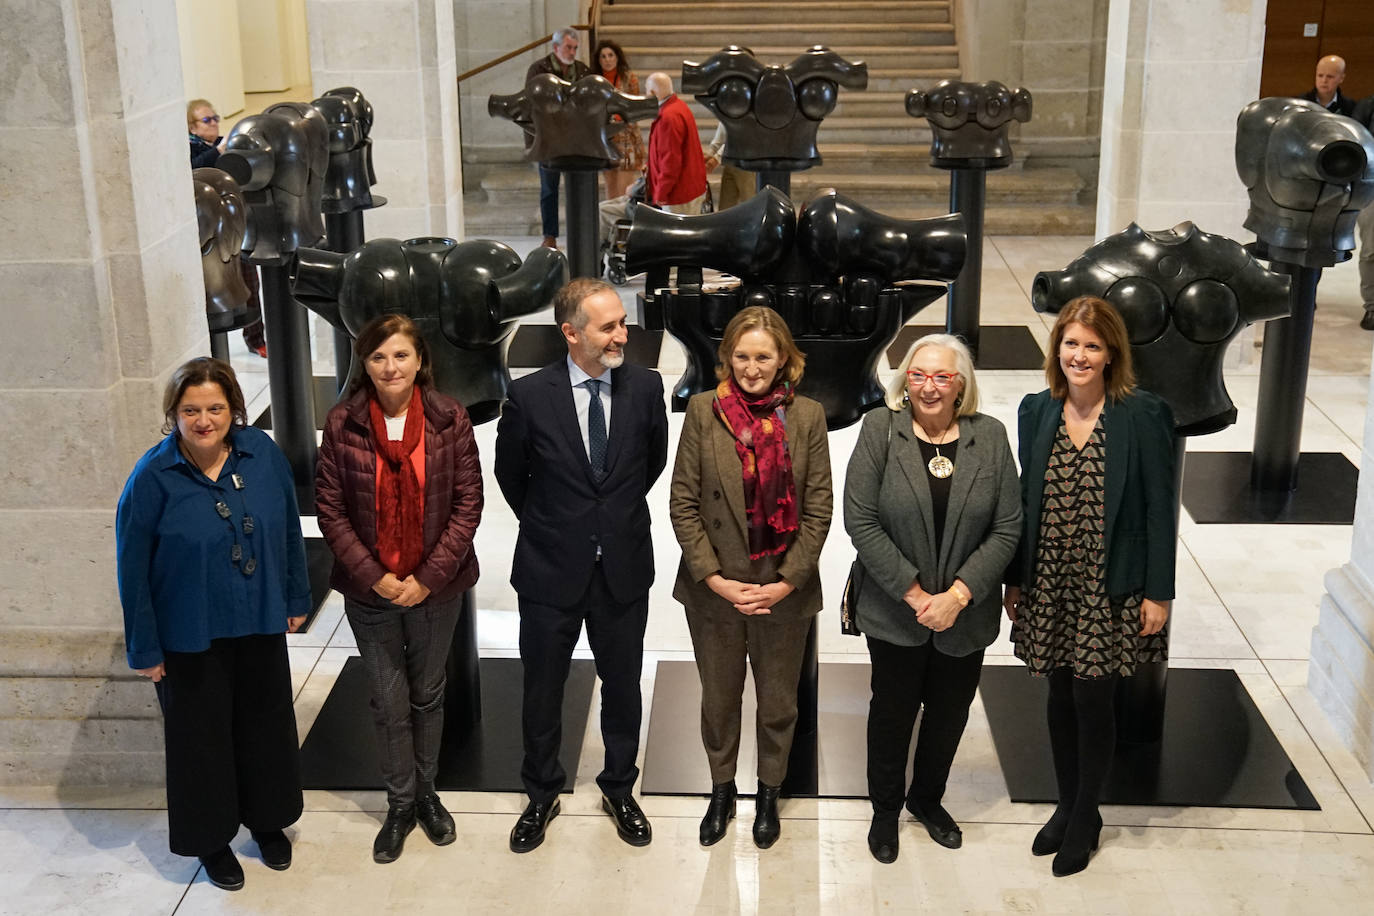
[873, 151]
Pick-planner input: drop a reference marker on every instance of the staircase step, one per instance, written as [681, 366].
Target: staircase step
[791, 32]
[818, 12]
[892, 60]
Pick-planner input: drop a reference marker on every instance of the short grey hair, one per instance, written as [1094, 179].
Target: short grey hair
[561, 34]
[963, 364]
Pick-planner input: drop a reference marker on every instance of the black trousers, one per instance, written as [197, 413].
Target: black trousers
[547, 637]
[232, 752]
[905, 679]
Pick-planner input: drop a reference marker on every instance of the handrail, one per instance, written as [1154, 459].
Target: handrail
[581, 27]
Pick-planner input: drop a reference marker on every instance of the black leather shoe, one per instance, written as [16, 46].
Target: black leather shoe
[1051, 836]
[436, 820]
[719, 813]
[528, 831]
[630, 822]
[1367, 321]
[223, 870]
[766, 826]
[938, 824]
[882, 837]
[275, 849]
[391, 839]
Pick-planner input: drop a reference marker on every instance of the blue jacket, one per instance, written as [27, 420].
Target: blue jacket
[178, 583]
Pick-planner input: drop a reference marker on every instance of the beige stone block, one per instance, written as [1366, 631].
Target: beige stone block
[63, 651]
[36, 90]
[400, 222]
[1057, 20]
[402, 171]
[160, 175]
[395, 98]
[80, 752]
[1055, 64]
[1059, 114]
[158, 298]
[1172, 96]
[149, 57]
[1113, 213]
[60, 559]
[1120, 169]
[111, 180]
[1094, 112]
[130, 697]
[56, 314]
[139, 405]
[43, 211]
[365, 35]
[1216, 33]
[55, 450]
[1183, 166]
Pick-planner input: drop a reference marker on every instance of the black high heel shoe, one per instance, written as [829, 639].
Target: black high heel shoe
[1051, 836]
[1076, 851]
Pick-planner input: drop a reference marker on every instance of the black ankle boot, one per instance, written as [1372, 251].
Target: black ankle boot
[391, 839]
[1080, 842]
[1051, 836]
[719, 813]
[766, 826]
[882, 836]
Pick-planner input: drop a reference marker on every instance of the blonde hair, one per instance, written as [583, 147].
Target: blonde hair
[761, 318]
[896, 392]
[191, 107]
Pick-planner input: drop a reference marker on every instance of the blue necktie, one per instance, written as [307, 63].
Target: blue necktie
[596, 428]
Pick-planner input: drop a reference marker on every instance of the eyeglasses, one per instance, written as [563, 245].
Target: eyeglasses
[941, 379]
[209, 119]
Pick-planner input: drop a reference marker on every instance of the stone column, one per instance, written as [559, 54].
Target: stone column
[400, 53]
[99, 262]
[1177, 74]
[1340, 673]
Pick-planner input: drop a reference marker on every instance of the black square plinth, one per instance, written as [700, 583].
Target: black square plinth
[341, 750]
[537, 345]
[319, 562]
[999, 346]
[326, 393]
[1217, 750]
[1216, 491]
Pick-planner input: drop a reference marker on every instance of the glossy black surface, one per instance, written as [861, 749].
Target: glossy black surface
[349, 179]
[568, 126]
[969, 122]
[222, 218]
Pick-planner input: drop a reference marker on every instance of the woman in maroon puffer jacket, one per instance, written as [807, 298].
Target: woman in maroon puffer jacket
[399, 494]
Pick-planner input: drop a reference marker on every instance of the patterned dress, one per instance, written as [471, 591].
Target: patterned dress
[1067, 619]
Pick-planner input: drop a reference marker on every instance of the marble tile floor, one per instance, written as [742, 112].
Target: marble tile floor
[1248, 598]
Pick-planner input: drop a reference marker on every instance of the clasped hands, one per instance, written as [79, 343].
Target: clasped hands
[938, 612]
[749, 599]
[406, 592]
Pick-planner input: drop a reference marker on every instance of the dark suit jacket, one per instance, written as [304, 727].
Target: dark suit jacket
[1140, 533]
[1340, 104]
[543, 471]
[888, 513]
[707, 508]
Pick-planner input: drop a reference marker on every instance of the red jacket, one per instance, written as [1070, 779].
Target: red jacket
[677, 169]
[346, 498]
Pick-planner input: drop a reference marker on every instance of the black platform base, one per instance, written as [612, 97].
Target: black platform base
[537, 345]
[1217, 750]
[1216, 491]
[326, 396]
[341, 750]
[319, 562]
[999, 346]
[830, 764]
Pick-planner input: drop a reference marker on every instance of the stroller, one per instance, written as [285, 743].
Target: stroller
[617, 216]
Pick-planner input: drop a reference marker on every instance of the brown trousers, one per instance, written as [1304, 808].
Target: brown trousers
[773, 648]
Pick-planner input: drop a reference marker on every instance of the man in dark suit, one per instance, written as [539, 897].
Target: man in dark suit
[578, 484]
[1326, 90]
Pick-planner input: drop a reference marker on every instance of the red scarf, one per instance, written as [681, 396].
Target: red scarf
[400, 504]
[770, 492]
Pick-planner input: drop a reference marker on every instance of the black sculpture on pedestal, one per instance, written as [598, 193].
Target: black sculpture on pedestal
[279, 159]
[465, 296]
[969, 123]
[771, 112]
[1308, 172]
[832, 274]
[347, 187]
[568, 127]
[222, 217]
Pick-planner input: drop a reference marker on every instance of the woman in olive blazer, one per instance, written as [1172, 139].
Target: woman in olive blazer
[933, 540]
[740, 607]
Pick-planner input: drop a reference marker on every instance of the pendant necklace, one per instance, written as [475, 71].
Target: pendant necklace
[940, 467]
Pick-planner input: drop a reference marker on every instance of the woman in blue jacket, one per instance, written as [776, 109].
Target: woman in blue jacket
[211, 576]
[1096, 555]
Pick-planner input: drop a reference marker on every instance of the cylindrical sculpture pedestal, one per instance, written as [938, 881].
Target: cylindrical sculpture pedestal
[968, 197]
[289, 378]
[463, 690]
[1283, 386]
[219, 345]
[778, 179]
[583, 218]
[344, 232]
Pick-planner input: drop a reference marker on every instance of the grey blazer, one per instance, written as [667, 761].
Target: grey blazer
[888, 514]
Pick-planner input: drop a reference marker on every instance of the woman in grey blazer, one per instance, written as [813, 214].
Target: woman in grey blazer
[932, 504]
[751, 505]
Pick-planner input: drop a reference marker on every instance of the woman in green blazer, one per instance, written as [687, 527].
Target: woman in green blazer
[932, 506]
[750, 504]
[1096, 557]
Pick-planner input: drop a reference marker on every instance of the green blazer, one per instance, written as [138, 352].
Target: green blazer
[706, 504]
[1140, 481]
[888, 513]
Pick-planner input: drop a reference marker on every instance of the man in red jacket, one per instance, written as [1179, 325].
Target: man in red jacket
[676, 172]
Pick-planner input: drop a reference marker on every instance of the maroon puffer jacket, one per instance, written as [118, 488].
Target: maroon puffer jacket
[346, 498]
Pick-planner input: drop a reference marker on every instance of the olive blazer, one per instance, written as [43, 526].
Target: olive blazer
[1140, 482]
[888, 512]
[706, 504]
